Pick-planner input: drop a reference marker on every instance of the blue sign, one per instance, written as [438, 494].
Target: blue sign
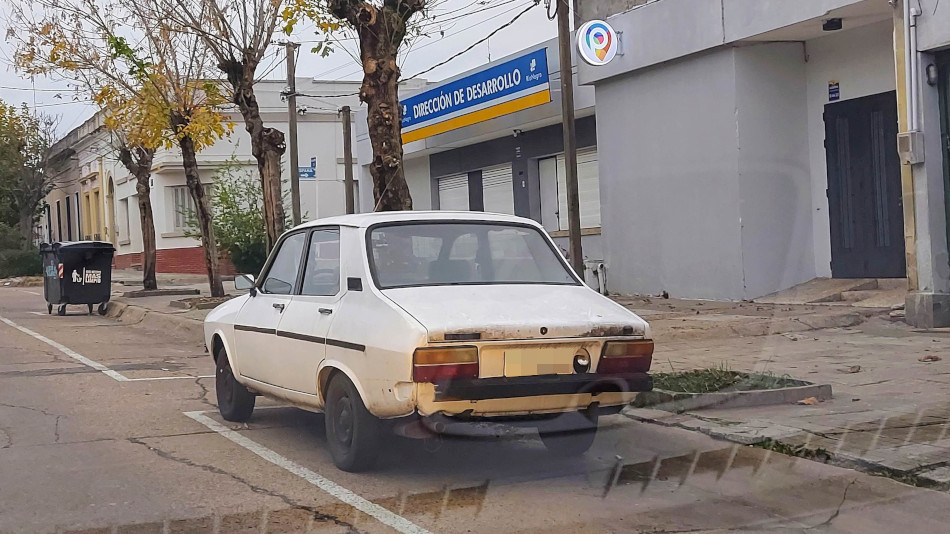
[511, 86]
[310, 172]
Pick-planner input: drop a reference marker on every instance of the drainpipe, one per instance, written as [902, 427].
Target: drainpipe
[911, 80]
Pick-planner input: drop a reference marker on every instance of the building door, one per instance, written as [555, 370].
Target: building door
[864, 188]
[943, 67]
[497, 192]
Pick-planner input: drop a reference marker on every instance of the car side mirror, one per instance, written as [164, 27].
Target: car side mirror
[244, 282]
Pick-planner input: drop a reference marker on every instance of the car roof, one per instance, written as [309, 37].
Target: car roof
[363, 220]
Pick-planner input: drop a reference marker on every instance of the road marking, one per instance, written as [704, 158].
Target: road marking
[384, 516]
[31, 292]
[115, 375]
[67, 351]
[38, 313]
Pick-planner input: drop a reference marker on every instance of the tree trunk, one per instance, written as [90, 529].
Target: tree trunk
[26, 228]
[140, 165]
[381, 31]
[267, 145]
[190, 163]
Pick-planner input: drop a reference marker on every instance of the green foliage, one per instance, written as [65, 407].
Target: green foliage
[24, 141]
[20, 262]
[237, 212]
[15, 260]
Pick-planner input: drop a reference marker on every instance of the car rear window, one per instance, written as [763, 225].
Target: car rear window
[449, 253]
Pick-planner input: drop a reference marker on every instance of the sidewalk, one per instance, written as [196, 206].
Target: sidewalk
[890, 412]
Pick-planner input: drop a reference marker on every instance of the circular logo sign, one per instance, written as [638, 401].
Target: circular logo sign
[597, 42]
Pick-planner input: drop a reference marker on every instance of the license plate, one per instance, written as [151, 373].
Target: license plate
[533, 361]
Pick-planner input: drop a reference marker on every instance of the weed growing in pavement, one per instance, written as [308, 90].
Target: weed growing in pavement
[720, 379]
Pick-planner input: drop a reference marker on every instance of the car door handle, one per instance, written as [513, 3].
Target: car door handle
[326, 311]
[279, 307]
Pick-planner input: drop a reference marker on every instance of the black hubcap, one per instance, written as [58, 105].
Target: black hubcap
[343, 421]
[224, 380]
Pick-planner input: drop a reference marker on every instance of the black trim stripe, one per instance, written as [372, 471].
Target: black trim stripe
[256, 330]
[346, 345]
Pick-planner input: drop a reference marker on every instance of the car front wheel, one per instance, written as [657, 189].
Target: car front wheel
[572, 434]
[352, 432]
[235, 402]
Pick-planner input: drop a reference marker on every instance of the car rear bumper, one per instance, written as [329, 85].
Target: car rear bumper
[517, 396]
[532, 386]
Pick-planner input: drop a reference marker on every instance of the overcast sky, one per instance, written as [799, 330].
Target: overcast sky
[454, 26]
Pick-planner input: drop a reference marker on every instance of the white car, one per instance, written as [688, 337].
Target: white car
[427, 317]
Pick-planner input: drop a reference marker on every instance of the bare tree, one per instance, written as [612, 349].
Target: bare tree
[238, 35]
[70, 39]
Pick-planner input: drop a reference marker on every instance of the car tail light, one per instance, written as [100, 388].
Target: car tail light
[435, 363]
[626, 357]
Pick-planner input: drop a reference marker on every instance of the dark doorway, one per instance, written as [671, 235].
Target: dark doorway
[943, 68]
[69, 220]
[864, 188]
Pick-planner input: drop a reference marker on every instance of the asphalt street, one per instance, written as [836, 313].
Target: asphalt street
[113, 428]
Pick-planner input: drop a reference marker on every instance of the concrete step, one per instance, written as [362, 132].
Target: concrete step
[819, 290]
[855, 296]
[892, 283]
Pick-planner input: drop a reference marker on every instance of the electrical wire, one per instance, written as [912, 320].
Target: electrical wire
[476, 43]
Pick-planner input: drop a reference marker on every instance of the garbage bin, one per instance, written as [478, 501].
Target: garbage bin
[78, 272]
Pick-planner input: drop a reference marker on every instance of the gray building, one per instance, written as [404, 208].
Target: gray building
[750, 145]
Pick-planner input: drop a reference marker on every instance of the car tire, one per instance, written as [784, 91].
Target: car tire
[572, 435]
[235, 402]
[352, 432]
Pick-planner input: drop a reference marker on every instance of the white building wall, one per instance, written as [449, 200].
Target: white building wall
[417, 176]
[669, 190]
[862, 61]
[775, 184]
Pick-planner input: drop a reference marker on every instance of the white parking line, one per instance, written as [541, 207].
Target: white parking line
[384, 516]
[67, 351]
[115, 375]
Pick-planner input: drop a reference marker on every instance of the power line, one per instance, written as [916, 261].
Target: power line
[436, 41]
[476, 43]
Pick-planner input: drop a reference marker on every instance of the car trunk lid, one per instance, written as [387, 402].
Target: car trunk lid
[515, 312]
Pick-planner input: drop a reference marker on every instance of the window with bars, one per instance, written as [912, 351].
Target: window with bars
[183, 207]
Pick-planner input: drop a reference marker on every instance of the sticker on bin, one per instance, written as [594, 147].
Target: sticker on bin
[88, 276]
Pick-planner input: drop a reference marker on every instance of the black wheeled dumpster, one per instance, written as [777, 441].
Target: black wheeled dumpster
[77, 272]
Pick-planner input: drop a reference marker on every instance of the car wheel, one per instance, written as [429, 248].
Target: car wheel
[352, 432]
[572, 435]
[235, 402]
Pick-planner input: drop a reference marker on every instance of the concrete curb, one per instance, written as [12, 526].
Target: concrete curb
[129, 314]
[682, 402]
[159, 293]
[935, 475]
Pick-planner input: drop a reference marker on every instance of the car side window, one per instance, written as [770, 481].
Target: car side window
[322, 275]
[282, 275]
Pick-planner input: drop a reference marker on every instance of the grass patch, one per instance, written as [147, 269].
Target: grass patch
[720, 379]
[798, 451]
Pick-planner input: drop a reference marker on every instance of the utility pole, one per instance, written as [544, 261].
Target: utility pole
[292, 119]
[348, 160]
[570, 138]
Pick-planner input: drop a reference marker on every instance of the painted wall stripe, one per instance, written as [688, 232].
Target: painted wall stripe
[384, 516]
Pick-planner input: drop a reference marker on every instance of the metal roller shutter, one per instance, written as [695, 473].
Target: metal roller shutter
[497, 193]
[588, 188]
[453, 192]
